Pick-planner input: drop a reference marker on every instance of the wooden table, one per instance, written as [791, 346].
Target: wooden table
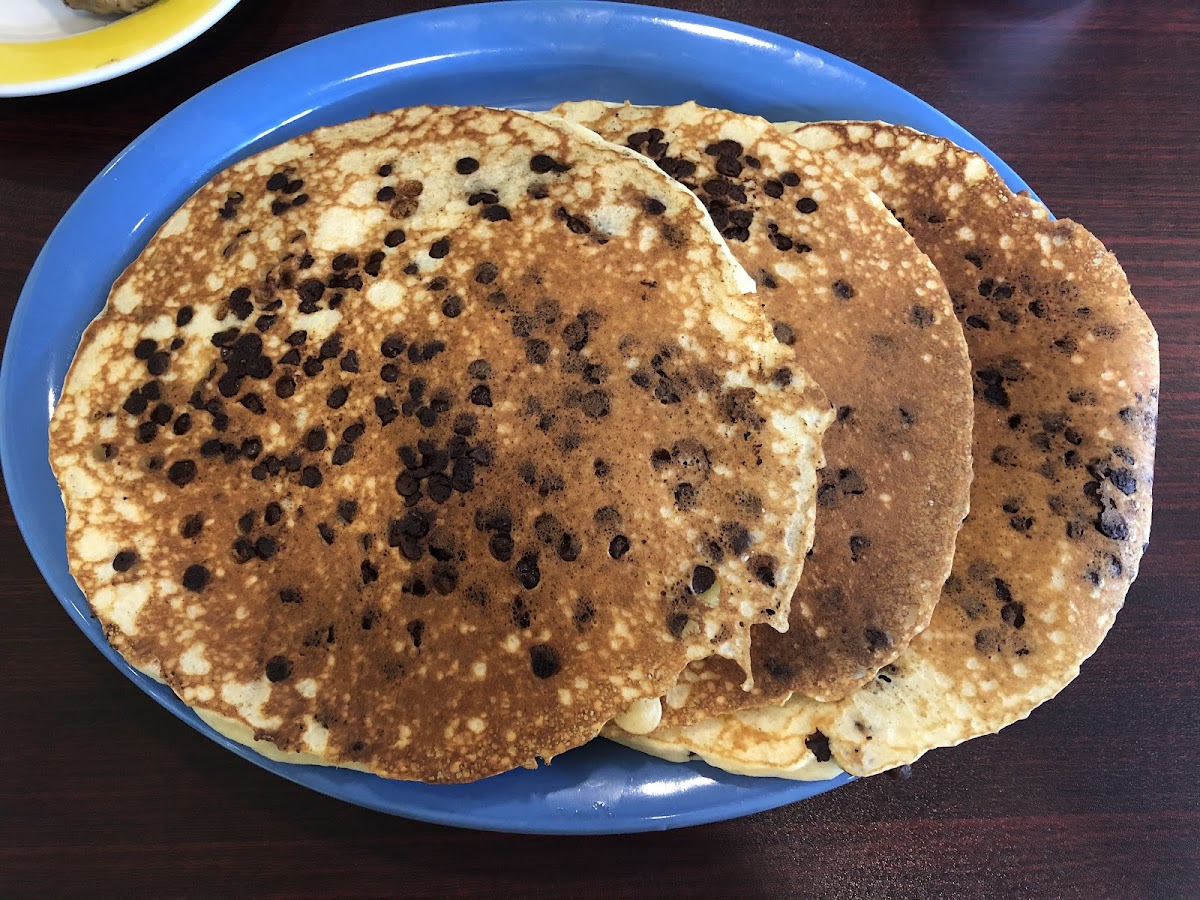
[1097, 794]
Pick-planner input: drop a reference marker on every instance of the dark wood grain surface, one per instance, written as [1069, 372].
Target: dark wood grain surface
[1096, 795]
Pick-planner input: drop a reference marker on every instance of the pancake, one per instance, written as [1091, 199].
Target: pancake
[1066, 397]
[427, 443]
[869, 317]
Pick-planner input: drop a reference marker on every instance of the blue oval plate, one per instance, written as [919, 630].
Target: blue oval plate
[521, 54]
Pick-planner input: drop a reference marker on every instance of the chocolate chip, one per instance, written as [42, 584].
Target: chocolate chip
[1124, 480]
[310, 290]
[1013, 614]
[273, 513]
[537, 351]
[326, 532]
[703, 578]
[342, 454]
[311, 477]
[859, 543]
[124, 560]
[290, 595]
[676, 623]
[541, 164]
[575, 334]
[496, 213]
[844, 291]
[1112, 525]
[685, 496]
[315, 439]
[763, 568]
[158, 362]
[438, 487]
[394, 238]
[501, 547]
[440, 248]
[285, 387]
[161, 414]
[481, 395]
[877, 640]
[254, 403]
[181, 472]
[595, 404]
[584, 613]
[196, 577]
[344, 261]
[574, 225]
[462, 477]
[331, 347]
[337, 397]
[806, 205]
[780, 241]
[919, 316]
[278, 668]
[993, 391]
[265, 546]
[543, 660]
[728, 166]
[243, 551]
[135, 404]
[407, 485]
[818, 744]
[618, 546]
[465, 424]
[466, 165]
[654, 207]
[784, 333]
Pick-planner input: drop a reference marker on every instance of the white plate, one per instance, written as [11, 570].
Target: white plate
[46, 47]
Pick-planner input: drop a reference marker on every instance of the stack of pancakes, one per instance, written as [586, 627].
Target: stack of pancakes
[438, 443]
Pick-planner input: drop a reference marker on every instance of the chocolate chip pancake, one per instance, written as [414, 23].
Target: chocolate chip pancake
[428, 443]
[1065, 368]
[867, 313]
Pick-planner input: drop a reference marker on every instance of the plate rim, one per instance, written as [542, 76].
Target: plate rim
[87, 75]
[713, 28]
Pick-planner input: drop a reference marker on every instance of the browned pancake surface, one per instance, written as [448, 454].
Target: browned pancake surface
[867, 313]
[429, 442]
[1066, 397]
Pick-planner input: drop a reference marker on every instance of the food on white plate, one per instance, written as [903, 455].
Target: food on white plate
[109, 7]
